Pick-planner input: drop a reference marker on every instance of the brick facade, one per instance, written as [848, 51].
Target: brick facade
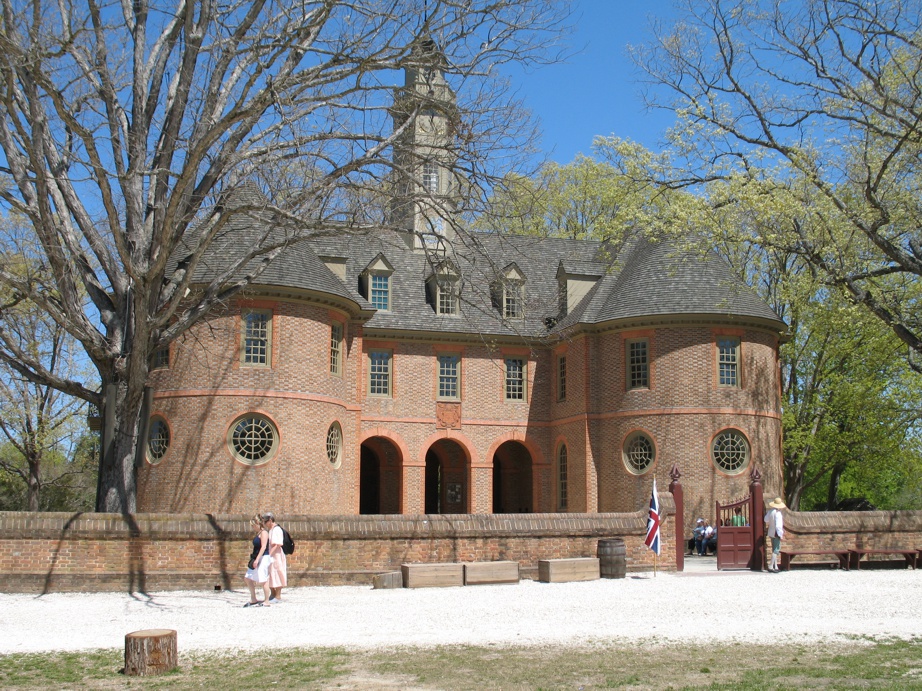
[495, 454]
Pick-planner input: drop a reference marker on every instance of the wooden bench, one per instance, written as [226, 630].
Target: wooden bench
[910, 555]
[391, 579]
[491, 572]
[564, 570]
[432, 575]
[841, 554]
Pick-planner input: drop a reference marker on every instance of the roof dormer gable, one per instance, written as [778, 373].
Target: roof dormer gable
[379, 265]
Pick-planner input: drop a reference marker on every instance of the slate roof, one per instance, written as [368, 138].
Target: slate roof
[638, 280]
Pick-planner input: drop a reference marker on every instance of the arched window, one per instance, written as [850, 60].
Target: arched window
[158, 440]
[335, 444]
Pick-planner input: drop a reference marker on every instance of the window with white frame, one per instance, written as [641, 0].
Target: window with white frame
[730, 451]
[728, 361]
[447, 301]
[336, 348]
[379, 291]
[253, 439]
[161, 358]
[335, 444]
[513, 300]
[450, 376]
[380, 372]
[638, 364]
[562, 478]
[158, 440]
[256, 338]
[431, 178]
[515, 379]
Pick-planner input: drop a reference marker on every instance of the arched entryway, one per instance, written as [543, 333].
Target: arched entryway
[512, 479]
[447, 473]
[380, 477]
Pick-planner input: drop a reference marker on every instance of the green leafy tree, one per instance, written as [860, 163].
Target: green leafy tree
[821, 100]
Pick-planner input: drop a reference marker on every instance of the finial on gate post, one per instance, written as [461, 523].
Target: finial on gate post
[755, 476]
[674, 473]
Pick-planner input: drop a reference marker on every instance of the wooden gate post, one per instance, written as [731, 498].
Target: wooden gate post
[678, 497]
[756, 519]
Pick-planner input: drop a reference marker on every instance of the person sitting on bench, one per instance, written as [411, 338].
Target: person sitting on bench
[708, 539]
[698, 536]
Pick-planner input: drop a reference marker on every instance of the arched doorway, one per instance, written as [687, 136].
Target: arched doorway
[380, 477]
[512, 479]
[447, 476]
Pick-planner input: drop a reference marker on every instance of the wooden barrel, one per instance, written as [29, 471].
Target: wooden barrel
[612, 562]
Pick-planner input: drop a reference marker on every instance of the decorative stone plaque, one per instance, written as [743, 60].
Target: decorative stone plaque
[447, 415]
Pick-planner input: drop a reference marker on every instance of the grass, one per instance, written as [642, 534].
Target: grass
[859, 664]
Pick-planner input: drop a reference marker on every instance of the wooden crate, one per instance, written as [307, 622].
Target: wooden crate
[563, 570]
[490, 572]
[432, 575]
[391, 579]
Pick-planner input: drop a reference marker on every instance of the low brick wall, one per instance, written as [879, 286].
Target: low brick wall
[831, 530]
[54, 552]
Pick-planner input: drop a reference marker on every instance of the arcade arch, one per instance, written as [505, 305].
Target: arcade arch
[380, 476]
[447, 478]
[513, 479]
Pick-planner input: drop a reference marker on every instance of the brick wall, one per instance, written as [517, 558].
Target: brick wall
[842, 530]
[55, 552]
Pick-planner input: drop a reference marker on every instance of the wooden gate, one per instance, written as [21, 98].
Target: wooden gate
[740, 530]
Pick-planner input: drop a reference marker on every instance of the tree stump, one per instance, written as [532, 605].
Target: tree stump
[150, 652]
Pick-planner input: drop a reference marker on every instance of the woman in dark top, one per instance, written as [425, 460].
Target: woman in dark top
[258, 571]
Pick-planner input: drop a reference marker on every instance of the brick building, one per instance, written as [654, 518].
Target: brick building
[422, 371]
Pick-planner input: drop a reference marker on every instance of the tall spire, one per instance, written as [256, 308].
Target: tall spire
[426, 194]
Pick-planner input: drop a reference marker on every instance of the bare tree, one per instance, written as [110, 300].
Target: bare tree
[125, 123]
[819, 100]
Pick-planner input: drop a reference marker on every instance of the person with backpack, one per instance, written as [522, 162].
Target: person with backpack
[278, 571]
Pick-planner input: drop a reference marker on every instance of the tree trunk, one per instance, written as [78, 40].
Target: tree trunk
[832, 498]
[117, 489]
[34, 484]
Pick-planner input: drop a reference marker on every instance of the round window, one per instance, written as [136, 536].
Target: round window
[335, 444]
[158, 440]
[253, 439]
[639, 453]
[730, 451]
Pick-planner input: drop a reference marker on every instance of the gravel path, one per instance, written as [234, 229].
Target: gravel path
[800, 606]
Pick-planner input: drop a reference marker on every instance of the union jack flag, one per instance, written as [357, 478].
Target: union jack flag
[653, 522]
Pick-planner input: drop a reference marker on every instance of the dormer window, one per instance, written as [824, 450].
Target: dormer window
[513, 300]
[510, 296]
[376, 283]
[442, 288]
[380, 291]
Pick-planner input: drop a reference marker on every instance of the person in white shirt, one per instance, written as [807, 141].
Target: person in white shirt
[774, 528]
[278, 571]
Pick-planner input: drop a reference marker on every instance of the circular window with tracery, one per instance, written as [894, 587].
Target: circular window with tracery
[335, 444]
[730, 451]
[158, 440]
[253, 439]
[639, 453]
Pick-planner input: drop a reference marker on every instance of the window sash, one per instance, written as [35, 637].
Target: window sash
[512, 301]
[447, 303]
[430, 178]
[379, 295]
[256, 338]
[638, 365]
[379, 373]
[515, 379]
[336, 347]
[449, 376]
[728, 361]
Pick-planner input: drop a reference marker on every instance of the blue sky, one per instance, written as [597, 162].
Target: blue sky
[596, 91]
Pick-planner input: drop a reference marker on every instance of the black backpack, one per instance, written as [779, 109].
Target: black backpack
[288, 545]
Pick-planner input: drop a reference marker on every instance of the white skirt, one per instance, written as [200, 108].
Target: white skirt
[261, 573]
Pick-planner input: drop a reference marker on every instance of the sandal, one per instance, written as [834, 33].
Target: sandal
[253, 604]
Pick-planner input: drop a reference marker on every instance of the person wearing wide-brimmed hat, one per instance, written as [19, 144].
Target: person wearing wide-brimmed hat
[774, 528]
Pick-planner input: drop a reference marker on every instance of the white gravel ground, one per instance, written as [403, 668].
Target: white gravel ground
[800, 606]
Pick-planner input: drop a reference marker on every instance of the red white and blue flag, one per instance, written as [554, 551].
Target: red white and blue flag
[653, 522]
